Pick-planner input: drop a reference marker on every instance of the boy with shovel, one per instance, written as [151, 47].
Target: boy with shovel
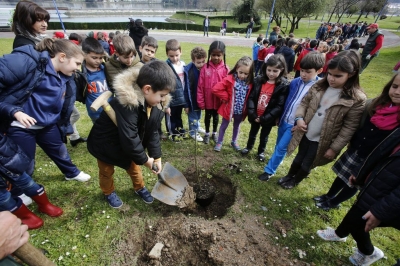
[140, 99]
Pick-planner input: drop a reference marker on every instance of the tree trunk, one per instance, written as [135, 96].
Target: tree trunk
[330, 16]
[316, 17]
[361, 13]
[366, 15]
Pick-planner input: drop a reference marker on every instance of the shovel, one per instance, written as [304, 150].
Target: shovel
[170, 185]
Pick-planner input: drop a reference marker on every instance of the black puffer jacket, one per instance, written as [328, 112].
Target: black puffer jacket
[381, 192]
[275, 106]
[135, 132]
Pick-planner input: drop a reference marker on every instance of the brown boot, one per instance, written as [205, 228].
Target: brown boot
[27, 217]
[45, 206]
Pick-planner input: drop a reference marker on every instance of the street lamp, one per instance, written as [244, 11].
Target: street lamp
[270, 18]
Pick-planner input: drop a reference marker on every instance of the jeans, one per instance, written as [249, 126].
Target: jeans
[205, 30]
[248, 33]
[194, 121]
[258, 67]
[74, 118]
[265, 130]
[106, 177]
[237, 120]
[282, 142]
[365, 62]
[306, 154]
[49, 139]
[176, 119]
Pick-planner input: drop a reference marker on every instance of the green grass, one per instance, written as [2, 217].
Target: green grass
[90, 231]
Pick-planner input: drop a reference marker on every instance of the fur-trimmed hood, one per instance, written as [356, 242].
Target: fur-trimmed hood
[129, 94]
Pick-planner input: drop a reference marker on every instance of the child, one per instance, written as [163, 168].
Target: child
[95, 82]
[148, 48]
[265, 103]
[173, 49]
[233, 92]
[13, 162]
[37, 94]
[192, 70]
[110, 42]
[140, 99]
[288, 52]
[125, 56]
[380, 119]
[323, 47]
[102, 38]
[303, 53]
[310, 66]
[333, 51]
[262, 53]
[214, 71]
[256, 48]
[327, 118]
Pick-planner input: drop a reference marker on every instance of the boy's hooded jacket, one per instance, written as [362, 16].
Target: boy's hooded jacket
[122, 144]
[20, 73]
[115, 67]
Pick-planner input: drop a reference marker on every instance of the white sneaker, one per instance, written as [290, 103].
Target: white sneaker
[82, 177]
[360, 259]
[201, 130]
[197, 137]
[329, 235]
[25, 199]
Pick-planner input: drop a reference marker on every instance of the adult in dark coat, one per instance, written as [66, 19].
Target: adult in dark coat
[137, 31]
[377, 205]
[29, 23]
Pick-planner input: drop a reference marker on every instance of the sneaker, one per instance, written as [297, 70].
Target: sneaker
[326, 205]
[201, 130]
[264, 177]
[245, 151]
[235, 146]
[197, 137]
[25, 199]
[261, 157]
[322, 198]
[113, 200]
[218, 146]
[329, 235]
[360, 259]
[82, 177]
[206, 139]
[145, 195]
[215, 138]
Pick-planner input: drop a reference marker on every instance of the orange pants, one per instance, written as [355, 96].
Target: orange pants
[106, 179]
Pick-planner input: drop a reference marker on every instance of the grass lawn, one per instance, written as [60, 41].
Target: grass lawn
[89, 231]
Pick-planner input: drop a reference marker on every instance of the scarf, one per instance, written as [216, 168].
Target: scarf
[35, 38]
[386, 117]
[241, 87]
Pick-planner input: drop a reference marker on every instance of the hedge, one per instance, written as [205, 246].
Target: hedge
[153, 25]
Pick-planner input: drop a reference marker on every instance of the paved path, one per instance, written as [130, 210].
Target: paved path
[390, 40]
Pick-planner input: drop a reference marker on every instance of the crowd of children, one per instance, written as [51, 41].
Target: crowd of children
[318, 112]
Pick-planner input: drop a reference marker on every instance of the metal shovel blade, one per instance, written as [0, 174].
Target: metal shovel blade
[170, 185]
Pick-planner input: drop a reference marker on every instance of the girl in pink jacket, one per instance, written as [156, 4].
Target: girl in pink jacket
[212, 73]
[233, 92]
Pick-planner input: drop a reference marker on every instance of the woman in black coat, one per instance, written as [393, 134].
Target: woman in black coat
[377, 205]
[137, 31]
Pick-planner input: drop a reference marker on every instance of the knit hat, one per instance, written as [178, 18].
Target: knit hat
[58, 35]
[373, 26]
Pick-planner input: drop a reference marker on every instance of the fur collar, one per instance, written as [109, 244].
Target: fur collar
[128, 92]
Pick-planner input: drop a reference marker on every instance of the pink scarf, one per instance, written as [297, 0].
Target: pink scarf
[386, 117]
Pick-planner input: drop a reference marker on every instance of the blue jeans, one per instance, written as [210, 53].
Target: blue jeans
[24, 182]
[282, 142]
[49, 139]
[194, 121]
[205, 31]
[248, 33]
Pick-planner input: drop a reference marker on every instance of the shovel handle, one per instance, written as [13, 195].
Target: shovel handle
[32, 256]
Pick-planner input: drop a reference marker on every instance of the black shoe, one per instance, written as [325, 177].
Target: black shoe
[326, 205]
[206, 139]
[76, 141]
[245, 151]
[289, 184]
[322, 198]
[264, 177]
[284, 179]
[261, 157]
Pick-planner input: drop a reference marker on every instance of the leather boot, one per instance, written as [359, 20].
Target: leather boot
[300, 175]
[27, 217]
[294, 168]
[45, 206]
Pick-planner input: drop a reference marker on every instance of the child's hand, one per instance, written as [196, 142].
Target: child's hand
[301, 125]
[186, 110]
[257, 120]
[352, 180]
[372, 221]
[168, 111]
[149, 163]
[25, 119]
[157, 167]
[330, 154]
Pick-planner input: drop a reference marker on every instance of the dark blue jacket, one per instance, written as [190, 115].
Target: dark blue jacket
[178, 96]
[289, 55]
[105, 46]
[192, 74]
[13, 161]
[20, 73]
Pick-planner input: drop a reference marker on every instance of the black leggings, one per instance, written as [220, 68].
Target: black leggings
[340, 191]
[207, 120]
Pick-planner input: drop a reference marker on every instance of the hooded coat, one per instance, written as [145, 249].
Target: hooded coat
[122, 144]
[115, 67]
